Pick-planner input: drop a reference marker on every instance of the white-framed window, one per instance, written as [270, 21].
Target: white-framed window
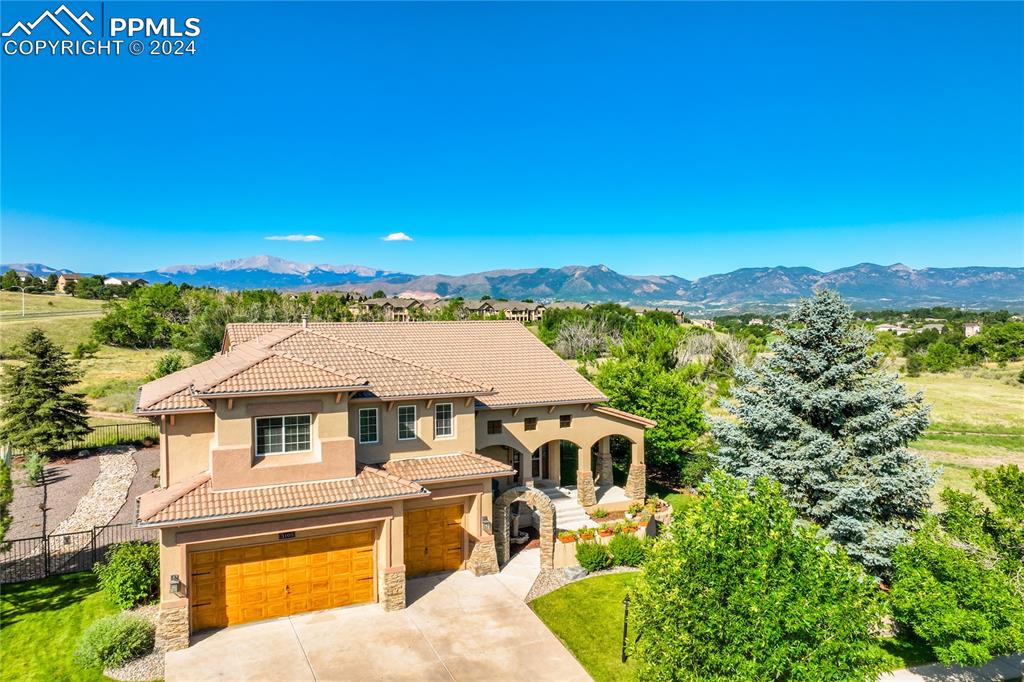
[368, 431]
[444, 420]
[406, 422]
[279, 435]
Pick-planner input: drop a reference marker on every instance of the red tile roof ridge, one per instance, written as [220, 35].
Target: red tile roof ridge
[487, 459]
[356, 380]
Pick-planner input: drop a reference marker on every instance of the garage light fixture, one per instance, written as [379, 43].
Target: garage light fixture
[176, 585]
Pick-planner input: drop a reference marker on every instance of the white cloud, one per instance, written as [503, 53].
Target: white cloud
[295, 238]
[397, 237]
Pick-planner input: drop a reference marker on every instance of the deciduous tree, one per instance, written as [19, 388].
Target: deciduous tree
[742, 589]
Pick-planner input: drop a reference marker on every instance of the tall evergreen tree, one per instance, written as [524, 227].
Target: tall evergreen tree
[39, 413]
[818, 415]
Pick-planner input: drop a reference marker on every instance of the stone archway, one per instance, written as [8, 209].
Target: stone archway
[544, 507]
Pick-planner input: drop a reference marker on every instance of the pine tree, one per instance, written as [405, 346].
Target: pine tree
[818, 415]
[39, 413]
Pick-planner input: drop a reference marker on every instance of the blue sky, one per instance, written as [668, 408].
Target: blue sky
[660, 138]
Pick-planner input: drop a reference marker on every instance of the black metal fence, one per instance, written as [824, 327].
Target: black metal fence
[115, 434]
[102, 435]
[59, 553]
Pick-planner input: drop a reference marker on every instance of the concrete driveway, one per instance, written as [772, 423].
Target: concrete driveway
[456, 627]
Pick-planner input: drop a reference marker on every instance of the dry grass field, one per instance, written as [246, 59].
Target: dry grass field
[109, 378]
[977, 421]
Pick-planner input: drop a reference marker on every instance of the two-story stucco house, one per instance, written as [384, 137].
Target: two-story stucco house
[310, 466]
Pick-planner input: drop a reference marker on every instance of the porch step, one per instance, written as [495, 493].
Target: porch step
[569, 515]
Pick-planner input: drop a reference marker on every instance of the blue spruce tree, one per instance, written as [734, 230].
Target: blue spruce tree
[818, 415]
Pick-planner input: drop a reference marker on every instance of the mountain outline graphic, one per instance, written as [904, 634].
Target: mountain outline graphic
[52, 16]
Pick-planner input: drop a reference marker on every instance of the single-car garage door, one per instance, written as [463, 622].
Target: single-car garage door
[433, 540]
[242, 584]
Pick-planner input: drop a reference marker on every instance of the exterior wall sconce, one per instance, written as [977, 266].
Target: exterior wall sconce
[486, 523]
[176, 585]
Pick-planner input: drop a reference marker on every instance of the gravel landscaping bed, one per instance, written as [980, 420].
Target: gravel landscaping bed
[67, 482]
[107, 494]
[552, 579]
[146, 460]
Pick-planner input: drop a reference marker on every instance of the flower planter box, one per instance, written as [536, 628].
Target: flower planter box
[604, 533]
[567, 540]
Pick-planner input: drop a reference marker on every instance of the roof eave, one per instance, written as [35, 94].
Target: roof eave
[466, 477]
[272, 512]
[289, 391]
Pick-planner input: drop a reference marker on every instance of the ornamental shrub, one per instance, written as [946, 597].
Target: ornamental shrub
[131, 574]
[627, 550]
[740, 589]
[113, 641]
[168, 364]
[593, 556]
[954, 596]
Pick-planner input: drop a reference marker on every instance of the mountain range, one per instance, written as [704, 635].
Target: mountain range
[866, 286]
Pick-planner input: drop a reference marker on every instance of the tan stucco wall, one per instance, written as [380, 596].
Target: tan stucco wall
[185, 446]
[234, 460]
[588, 427]
[390, 447]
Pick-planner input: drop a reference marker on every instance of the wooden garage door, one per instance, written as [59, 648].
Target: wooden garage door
[433, 540]
[242, 584]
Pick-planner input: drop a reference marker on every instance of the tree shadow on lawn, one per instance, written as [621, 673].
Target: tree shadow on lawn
[49, 594]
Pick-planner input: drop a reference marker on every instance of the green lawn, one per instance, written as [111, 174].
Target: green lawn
[40, 623]
[587, 617]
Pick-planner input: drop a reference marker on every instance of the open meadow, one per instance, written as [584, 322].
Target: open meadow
[110, 376]
[977, 421]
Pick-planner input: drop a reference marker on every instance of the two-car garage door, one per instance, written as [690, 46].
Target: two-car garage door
[242, 584]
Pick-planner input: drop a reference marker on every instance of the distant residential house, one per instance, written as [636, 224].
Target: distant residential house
[933, 325]
[569, 305]
[520, 311]
[392, 309]
[480, 307]
[675, 312]
[64, 278]
[24, 275]
[972, 329]
[898, 330]
[123, 281]
[707, 324]
[755, 322]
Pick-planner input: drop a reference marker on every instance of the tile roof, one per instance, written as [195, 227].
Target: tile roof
[296, 359]
[504, 355]
[196, 500]
[448, 467]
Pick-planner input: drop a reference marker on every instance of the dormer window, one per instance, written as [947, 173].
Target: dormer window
[278, 435]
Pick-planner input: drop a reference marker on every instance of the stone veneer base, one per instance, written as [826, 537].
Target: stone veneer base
[484, 558]
[172, 628]
[394, 590]
[585, 493]
[636, 483]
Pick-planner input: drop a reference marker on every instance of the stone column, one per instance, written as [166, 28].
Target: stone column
[172, 628]
[547, 536]
[501, 531]
[483, 560]
[585, 493]
[636, 483]
[393, 598]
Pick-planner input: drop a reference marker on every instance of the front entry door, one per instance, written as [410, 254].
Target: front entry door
[433, 540]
